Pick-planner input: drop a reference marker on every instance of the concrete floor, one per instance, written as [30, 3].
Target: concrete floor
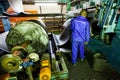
[83, 71]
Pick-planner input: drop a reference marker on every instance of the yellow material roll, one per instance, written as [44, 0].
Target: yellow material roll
[45, 72]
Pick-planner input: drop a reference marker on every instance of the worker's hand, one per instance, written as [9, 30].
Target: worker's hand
[85, 43]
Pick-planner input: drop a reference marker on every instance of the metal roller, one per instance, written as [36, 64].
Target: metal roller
[10, 63]
[64, 36]
[28, 31]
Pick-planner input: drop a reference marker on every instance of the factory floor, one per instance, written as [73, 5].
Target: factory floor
[83, 71]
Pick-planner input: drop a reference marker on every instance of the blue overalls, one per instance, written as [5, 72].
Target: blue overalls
[80, 33]
[3, 7]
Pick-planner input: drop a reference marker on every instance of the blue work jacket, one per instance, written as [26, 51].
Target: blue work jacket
[80, 29]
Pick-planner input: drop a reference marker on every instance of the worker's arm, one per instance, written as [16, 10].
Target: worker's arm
[72, 25]
[87, 33]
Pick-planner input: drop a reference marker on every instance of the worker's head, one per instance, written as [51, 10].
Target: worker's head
[83, 13]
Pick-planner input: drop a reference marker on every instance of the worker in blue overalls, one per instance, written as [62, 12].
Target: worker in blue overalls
[4, 5]
[80, 34]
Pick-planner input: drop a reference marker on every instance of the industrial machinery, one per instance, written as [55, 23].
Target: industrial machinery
[37, 55]
[104, 42]
[33, 54]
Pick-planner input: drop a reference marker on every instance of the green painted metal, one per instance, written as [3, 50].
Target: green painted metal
[107, 16]
[61, 72]
[62, 1]
[12, 78]
[111, 52]
[45, 0]
[29, 72]
[118, 25]
[68, 5]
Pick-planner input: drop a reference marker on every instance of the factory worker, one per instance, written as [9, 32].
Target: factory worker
[80, 34]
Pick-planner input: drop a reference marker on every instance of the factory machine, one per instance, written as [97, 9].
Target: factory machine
[27, 50]
[33, 55]
[105, 36]
[39, 56]
[103, 47]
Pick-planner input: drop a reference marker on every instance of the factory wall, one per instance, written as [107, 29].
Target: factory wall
[45, 8]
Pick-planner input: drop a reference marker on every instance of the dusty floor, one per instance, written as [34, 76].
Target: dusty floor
[83, 71]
